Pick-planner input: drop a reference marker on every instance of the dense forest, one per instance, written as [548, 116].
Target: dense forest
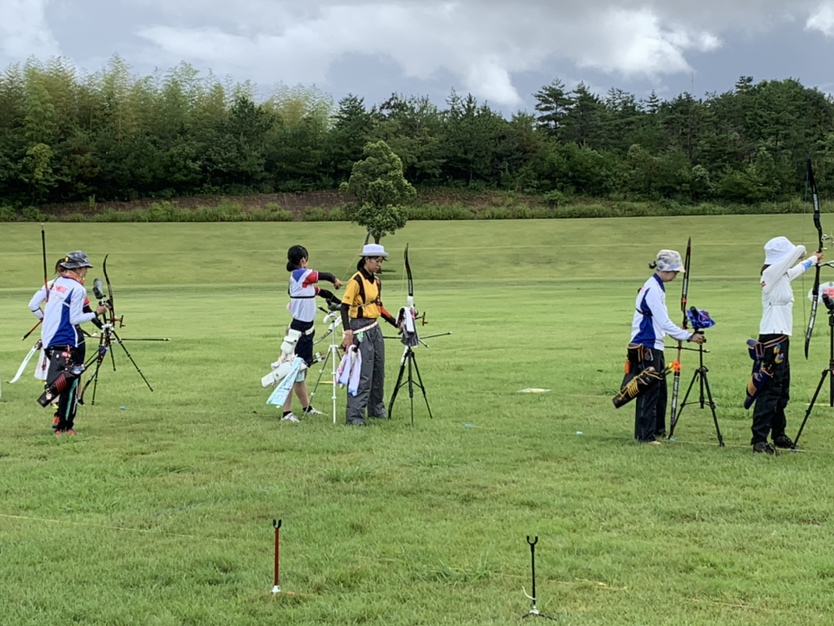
[68, 137]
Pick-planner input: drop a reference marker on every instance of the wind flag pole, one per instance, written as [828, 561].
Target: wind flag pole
[276, 586]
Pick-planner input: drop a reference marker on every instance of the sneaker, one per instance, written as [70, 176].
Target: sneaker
[290, 417]
[69, 431]
[359, 422]
[785, 442]
[58, 433]
[312, 411]
[762, 447]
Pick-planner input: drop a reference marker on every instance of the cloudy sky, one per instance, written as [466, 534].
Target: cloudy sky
[501, 52]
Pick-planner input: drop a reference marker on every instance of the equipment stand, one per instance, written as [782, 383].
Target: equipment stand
[826, 373]
[332, 356]
[534, 611]
[105, 346]
[700, 375]
[411, 359]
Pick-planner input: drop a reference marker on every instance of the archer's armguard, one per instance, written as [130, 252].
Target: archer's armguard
[333, 303]
[387, 316]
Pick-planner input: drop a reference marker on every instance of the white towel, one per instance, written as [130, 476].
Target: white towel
[350, 370]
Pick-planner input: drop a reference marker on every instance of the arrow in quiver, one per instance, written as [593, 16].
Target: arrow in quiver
[633, 386]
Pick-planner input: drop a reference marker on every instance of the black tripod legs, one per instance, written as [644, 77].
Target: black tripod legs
[409, 361]
[700, 375]
[139, 371]
[712, 408]
[825, 374]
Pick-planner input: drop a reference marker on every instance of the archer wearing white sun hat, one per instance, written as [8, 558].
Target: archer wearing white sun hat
[361, 311]
[781, 266]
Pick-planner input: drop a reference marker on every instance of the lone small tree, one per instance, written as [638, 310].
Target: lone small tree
[380, 191]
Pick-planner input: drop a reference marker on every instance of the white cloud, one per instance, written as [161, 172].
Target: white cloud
[24, 31]
[822, 19]
[483, 44]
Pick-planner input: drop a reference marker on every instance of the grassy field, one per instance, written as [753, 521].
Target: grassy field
[160, 511]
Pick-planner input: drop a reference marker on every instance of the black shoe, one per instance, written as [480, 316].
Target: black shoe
[763, 447]
[356, 422]
[784, 442]
[661, 434]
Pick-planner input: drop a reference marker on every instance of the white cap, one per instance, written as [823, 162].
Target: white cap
[669, 261]
[374, 249]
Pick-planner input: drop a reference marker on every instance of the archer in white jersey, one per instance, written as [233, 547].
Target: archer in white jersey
[303, 291]
[649, 325]
[62, 340]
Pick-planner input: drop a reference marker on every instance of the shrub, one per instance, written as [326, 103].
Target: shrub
[32, 214]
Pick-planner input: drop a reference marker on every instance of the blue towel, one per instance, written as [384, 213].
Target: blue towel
[279, 396]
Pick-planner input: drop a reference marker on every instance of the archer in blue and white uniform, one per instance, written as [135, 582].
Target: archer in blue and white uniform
[651, 323]
[62, 339]
[303, 292]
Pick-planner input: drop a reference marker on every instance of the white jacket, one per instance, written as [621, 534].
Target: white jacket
[777, 294]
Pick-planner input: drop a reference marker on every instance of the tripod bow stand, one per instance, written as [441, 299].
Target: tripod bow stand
[826, 373]
[700, 375]
[332, 355]
[108, 332]
[408, 362]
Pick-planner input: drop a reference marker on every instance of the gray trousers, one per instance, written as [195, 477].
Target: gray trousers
[372, 377]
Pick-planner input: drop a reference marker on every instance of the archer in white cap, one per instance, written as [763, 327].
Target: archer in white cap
[783, 264]
[361, 310]
[650, 324]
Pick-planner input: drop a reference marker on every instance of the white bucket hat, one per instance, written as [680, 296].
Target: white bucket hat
[669, 261]
[778, 248]
[373, 249]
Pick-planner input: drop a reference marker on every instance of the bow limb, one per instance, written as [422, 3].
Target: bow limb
[410, 301]
[43, 250]
[410, 279]
[676, 366]
[110, 299]
[809, 172]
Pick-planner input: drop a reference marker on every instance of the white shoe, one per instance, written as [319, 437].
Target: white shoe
[312, 411]
[289, 417]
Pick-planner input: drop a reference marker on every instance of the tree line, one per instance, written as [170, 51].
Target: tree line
[69, 137]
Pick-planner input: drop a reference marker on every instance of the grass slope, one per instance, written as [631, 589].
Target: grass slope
[160, 511]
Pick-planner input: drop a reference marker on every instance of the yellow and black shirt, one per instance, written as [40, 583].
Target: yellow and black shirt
[362, 297]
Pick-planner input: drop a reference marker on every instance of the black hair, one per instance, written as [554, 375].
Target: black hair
[294, 256]
[361, 263]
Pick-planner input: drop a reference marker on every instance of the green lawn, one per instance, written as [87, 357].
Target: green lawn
[160, 511]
